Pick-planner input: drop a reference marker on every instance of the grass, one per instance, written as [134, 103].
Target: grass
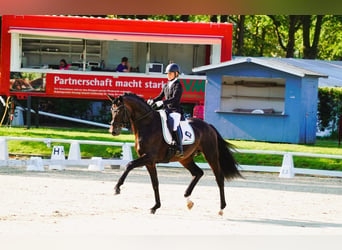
[322, 146]
[40, 148]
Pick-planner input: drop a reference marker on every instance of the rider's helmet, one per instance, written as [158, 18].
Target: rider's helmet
[172, 67]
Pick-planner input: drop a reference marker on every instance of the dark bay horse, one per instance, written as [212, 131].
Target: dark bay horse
[152, 149]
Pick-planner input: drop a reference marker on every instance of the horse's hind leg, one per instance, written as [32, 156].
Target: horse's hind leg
[196, 173]
[220, 182]
[212, 158]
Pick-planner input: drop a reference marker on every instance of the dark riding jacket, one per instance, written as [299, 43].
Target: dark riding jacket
[172, 96]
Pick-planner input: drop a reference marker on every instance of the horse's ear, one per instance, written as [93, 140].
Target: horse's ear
[111, 98]
[120, 99]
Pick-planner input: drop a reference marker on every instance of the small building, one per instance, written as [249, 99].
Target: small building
[262, 99]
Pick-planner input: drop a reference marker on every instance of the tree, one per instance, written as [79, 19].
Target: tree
[256, 36]
[224, 18]
[240, 33]
[330, 45]
[310, 49]
[307, 36]
[184, 18]
[213, 18]
[286, 28]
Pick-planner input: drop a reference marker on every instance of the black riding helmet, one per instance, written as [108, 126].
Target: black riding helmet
[172, 67]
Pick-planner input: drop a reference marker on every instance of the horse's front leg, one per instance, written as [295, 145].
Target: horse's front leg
[155, 184]
[141, 161]
[196, 173]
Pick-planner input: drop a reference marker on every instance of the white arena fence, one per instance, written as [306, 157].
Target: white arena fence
[74, 156]
[287, 170]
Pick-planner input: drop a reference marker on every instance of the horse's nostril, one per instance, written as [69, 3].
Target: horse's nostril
[115, 131]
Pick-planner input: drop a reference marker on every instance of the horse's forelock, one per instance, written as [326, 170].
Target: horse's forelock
[117, 100]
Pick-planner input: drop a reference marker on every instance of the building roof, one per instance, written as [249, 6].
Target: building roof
[329, 72]
[272, 63]
[333, 69]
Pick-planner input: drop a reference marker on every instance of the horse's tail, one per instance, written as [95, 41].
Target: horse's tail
[228, 164]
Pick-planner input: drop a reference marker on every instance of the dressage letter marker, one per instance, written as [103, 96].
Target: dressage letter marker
[57, 154]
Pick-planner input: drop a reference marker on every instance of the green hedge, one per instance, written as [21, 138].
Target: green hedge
[329, 108]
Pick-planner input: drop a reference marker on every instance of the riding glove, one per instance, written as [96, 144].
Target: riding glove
[159, 103]
[150, 102]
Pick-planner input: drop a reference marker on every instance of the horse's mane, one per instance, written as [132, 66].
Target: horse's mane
[135, 96]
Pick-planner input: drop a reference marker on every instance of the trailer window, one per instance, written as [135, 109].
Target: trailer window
[39, 52]
[253, 95]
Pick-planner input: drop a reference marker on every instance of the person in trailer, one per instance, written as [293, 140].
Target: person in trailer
[123, 66]
[169, 98]
[63, 65]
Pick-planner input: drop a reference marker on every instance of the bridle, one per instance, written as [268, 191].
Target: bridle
[126, 121]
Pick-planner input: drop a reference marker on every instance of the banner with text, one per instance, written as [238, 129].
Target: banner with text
[97, 86]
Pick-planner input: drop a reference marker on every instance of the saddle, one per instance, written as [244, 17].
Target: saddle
[187, 131]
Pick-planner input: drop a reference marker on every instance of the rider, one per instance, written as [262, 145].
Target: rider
[172, 91]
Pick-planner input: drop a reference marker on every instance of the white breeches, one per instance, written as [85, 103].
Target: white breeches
[176, 120]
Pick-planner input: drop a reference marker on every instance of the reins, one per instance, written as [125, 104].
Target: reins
[125, 121]
[143, 116]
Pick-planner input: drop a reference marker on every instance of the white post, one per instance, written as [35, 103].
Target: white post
[3, 149]
[287, 168]
[215, 53]
[15, 52]
[98, 166]
[18, 119]
[74, 152]
[35, 164]
[126, 153]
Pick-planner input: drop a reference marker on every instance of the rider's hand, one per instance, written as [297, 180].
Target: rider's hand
[150, 102]
[159, 103]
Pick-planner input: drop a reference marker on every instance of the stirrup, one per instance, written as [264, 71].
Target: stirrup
[179, 150]
[179, 153]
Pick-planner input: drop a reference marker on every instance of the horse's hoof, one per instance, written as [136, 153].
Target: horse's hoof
[117, 191]
[154, 208]
[220, 212]
[189, 204]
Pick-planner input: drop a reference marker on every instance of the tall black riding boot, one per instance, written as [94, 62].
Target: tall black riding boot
[179, 138]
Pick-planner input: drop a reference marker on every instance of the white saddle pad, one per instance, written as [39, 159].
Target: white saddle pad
[187, 131]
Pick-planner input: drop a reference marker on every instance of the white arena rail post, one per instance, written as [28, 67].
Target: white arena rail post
[3, 149]
[35, 164]
[126, 154]
[287, 167]
[97, 165]
[74, 152]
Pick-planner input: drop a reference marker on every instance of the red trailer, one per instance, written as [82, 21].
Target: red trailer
[32, 46]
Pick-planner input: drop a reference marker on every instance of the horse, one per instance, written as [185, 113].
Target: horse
[146, 125]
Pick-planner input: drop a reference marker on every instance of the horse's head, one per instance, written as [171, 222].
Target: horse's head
[120, 115]
[129, 108]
